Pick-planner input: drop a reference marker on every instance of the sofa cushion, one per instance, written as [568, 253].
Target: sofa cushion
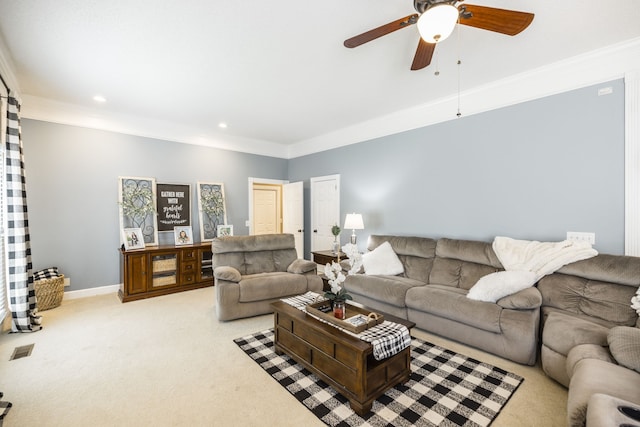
[264, 286]
[387, 289]
[624, 345]
[607, 301]
[497, 285]
[458, 273]
[452, 303]
[618, 269]
[382, 261]
[563, 332]
[415, 253]
[255, 254]
[473, 251]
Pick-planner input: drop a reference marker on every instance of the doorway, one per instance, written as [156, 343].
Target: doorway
[277, 207]
[325, 210]
[267, 209]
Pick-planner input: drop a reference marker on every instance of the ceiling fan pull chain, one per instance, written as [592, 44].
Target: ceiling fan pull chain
[459, 114]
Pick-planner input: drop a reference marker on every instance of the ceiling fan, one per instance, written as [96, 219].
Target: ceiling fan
[437, 18]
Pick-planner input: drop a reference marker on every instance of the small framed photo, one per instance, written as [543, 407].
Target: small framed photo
[183, 235]
[132, 238]
[225, 230]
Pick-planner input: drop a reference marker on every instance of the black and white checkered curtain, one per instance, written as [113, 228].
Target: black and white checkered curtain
[22, 297]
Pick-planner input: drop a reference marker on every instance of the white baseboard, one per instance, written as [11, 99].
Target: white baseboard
[83, 293]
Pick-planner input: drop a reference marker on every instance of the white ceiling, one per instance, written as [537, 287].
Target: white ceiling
[275, 71]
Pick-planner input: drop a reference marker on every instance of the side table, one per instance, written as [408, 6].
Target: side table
[325, 257]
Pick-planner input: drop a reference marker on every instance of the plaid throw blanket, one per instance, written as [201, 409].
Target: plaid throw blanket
[387, 338]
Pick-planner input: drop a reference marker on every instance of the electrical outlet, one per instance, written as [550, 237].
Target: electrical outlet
[580, 236]
[67, 282]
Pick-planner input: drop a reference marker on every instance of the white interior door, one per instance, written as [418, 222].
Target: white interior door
[293, 213]
[325, 210]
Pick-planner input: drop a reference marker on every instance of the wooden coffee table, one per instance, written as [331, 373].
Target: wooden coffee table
[343, 361]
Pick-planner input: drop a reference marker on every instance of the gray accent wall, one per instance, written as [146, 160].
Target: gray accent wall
[72, 191]
[530, 171]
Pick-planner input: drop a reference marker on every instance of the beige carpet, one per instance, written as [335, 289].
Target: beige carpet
[168, 361]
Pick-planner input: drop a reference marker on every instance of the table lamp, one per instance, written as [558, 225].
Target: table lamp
[354, 222]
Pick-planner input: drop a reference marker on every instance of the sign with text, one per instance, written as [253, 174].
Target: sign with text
[174, 206]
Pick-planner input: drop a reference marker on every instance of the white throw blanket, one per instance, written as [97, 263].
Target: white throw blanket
[525, 262]
[541, 258]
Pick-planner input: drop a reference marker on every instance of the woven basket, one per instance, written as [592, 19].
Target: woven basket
[49, 292]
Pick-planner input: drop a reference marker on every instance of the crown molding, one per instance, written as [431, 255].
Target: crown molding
[594, 67]
[68, 114]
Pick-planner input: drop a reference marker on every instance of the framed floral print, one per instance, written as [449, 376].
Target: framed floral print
[137, 201]
[211, 208]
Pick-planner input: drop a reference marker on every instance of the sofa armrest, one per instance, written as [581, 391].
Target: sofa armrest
[526, 299]
[301, 266]
[227, 273]
[586, 351]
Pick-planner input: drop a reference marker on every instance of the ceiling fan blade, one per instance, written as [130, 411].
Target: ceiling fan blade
[424, 52]
[381, 31]
[510, 22]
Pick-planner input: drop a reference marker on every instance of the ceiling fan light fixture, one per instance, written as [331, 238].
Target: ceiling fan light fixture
[437, 22]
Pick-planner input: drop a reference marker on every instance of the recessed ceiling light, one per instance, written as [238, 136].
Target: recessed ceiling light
[99, 98]
[222, 125]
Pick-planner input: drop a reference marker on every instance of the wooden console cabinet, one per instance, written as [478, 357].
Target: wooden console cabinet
[161, 270]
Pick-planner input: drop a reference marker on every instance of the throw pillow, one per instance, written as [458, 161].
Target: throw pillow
[497, 285]
[382, 260]
[624, 345]
[46, 273]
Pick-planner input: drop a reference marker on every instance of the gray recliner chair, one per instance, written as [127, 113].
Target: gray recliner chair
[251, 272]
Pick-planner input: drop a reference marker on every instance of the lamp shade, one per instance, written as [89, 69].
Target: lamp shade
[437, 22]
[354, 222]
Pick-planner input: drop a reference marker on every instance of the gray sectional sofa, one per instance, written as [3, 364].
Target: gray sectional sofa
[590, 340]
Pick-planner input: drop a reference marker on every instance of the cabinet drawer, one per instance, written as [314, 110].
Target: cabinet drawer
[189, 255]
[188, 267]
[188, 278]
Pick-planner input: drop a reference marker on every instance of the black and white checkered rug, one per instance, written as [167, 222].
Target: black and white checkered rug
[445, 388]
